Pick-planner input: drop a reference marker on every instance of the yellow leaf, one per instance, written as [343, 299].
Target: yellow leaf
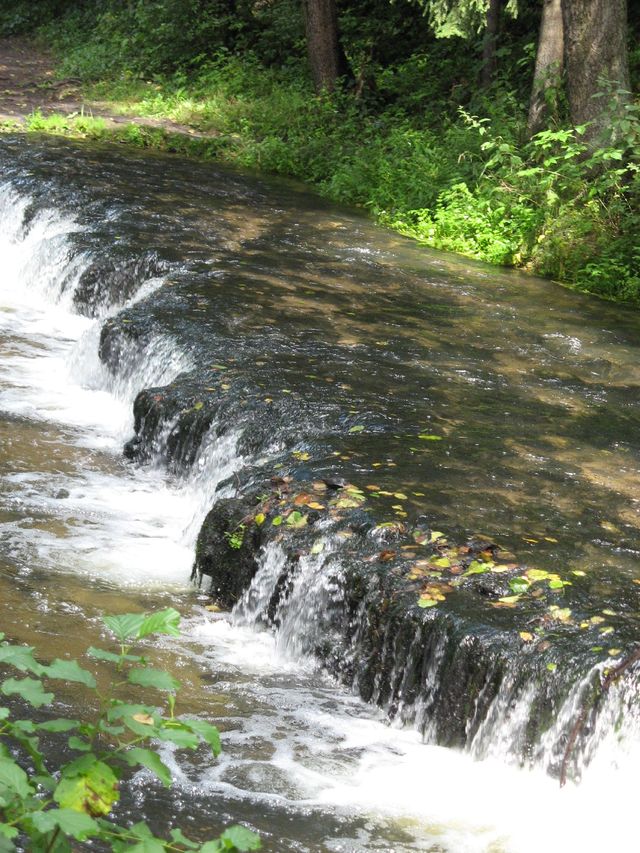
[147, 719]
[527, 636]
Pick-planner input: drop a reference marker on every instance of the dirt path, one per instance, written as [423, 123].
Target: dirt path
[28, 83]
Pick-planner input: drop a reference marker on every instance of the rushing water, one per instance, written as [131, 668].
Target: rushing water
[533, 392]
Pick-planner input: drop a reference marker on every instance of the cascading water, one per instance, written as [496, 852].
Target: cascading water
[51, 371]
[308, 764]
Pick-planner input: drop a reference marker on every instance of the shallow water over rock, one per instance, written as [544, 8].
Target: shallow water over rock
[452, 453]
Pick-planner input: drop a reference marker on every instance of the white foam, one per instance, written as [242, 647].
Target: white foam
[134, 526]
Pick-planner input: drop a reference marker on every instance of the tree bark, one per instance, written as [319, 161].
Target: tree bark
[549, 63]
[595, 39]
[490, 43]
[325, 56]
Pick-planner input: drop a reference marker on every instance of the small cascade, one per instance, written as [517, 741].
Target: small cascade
[229, 456]
[52, 370]
[302, 604]
[456, 689]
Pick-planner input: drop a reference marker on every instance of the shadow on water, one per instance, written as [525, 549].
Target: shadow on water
[486, 401]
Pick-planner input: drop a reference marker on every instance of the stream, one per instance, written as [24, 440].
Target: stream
[488, 402]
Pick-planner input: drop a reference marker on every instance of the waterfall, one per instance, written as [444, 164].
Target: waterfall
[93, 513]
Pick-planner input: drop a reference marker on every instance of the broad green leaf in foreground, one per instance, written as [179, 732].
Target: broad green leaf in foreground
[70, 670]
[92, 789]
[29, 689]
[151, 760]
[151, 677]
[77, 824]
[14, 778]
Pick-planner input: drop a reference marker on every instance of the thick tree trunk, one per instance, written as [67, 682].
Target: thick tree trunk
[325, 56]
[595, 39]
[549, 62]
[490, 43]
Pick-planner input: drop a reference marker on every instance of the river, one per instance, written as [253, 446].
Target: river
[245, 288]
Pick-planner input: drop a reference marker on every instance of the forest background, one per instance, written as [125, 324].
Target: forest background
[505, 130]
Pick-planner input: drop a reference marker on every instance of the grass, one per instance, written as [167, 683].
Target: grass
[466, 181]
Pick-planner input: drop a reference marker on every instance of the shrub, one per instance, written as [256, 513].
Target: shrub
[53, 807]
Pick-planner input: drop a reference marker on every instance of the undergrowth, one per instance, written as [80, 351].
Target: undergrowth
[421, 148]
[51, 804]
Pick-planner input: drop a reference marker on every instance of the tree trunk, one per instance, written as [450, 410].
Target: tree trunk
[489, 43]
[549, 62]
[595, 38]
[325, 56]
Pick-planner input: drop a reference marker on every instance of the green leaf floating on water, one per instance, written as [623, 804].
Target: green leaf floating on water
[519, 585]
[428, 437]
[476, 568]
[358, 428]
[296, 519]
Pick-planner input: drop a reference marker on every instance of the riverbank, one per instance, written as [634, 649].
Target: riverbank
[463, 180]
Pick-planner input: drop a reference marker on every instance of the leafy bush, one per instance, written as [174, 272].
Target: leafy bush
[52, 807]
[415, 140]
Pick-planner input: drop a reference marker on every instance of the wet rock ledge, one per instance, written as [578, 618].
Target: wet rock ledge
[457, 639]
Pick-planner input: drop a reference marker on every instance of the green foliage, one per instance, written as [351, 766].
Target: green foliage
[58, 806]
[414, 140]
[22, 16]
